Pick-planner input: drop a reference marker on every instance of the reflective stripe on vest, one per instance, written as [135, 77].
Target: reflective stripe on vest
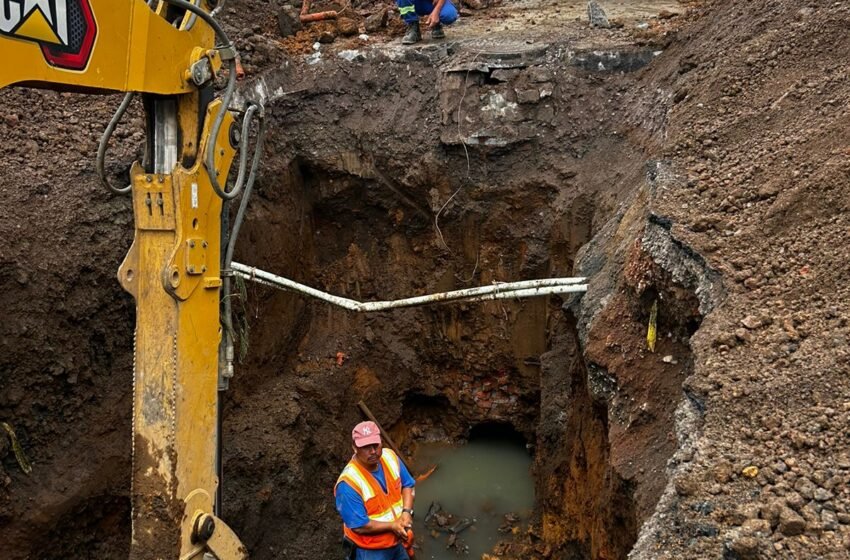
[380, 505]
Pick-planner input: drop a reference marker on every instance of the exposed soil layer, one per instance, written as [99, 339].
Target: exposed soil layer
[699, 162]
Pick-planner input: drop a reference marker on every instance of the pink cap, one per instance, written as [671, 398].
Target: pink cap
[366, 433]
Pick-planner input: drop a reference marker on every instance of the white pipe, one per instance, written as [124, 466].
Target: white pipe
[507, 290]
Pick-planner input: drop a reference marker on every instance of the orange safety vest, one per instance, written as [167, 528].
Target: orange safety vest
[380, 505]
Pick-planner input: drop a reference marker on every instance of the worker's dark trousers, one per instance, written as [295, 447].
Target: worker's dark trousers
[410, 11]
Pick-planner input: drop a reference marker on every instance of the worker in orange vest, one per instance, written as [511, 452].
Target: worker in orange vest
[374, 497]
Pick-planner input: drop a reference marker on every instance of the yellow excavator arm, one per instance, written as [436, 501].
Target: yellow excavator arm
[105, 45]
[169, 52]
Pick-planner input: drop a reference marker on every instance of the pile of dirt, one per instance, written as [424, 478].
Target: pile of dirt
[756, 130]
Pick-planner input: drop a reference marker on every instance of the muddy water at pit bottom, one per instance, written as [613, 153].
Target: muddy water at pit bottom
[484, 480]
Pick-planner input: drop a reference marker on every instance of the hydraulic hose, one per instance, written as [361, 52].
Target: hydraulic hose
[255, 163]
[226, 273]
[104, 141]
[226, 98]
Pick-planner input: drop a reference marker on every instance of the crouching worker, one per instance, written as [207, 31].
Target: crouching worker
[374, 497]
[437, 14]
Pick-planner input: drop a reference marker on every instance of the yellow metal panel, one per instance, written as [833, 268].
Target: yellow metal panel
[177, 339]
[133, 49]
[157, 512]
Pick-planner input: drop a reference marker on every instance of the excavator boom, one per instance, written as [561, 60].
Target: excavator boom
[167, 52]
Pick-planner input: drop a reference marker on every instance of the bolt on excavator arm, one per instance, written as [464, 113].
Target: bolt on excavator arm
[166, 51]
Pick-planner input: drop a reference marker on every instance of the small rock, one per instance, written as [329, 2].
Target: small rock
[722, 472]
[528, 96]
[504, 74]
[843, 518]
[822, 495]
[794, 501]
[771, 512]
[758, 527]
[288, 24]
[727, 339]
[791, 523]
[351, 55]
[346, 26]
[686, 484]
[750, 472]
[705, 530]
[376, 21]
[751, 322]
[746, 547]
[539, 74]
[668, 359]
[805, 487]
[596, 15]
[743, 335]
[22, 277]
[742, 513]
[327, 37]
[829, 520]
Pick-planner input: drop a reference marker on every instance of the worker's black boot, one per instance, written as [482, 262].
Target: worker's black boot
[438, 33]
[413, 34]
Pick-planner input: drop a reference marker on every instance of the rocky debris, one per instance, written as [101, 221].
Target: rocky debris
[288, 22]
[791, 523]
[376, 21]
[526, 96]
[510, 523]
[476, 4]
[327, 37]
[352, 55]
[747, 547]
[346, 26]
[596, 15]
[439, 521]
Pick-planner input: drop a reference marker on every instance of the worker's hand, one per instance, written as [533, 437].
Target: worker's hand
[433, 19]
[407, 518]
[400, 527]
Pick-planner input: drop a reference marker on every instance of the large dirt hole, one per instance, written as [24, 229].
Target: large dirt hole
[387, 207]
[415, 189]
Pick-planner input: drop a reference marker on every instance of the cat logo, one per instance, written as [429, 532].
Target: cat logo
[64, 29]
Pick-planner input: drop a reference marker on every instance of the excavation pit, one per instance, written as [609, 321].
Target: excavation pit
[392, 175]
[452, 171]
